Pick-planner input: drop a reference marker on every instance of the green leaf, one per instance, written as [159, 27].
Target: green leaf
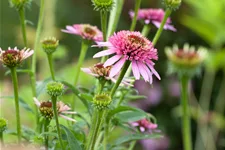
[138, 136]
[86, 96]
[21, 102]
[40, 87]
[73, 142]
[49, 134]
[135, 97]
[130, 116]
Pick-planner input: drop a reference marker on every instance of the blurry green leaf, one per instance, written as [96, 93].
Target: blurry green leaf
[40, 87]
[135, 97]
[138, 136]
[86, 96]
[19, 71]
[216, 60]
[60, 52]
[21, 102]
[130, 116]
[49, 134]
[73, 142]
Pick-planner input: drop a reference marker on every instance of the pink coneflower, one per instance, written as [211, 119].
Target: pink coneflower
[132, 46]
[145, 125]
[86, 31]
[154, 16]
[46, 110]
[99, 71]
[14, 57]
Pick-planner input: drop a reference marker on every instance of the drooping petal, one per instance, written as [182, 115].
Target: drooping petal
[67, 118]
[148, 72]
[143, 71]
[112, 60]
[88, 71]
[104, 53]
[154, 71]
[69, 112]
[117, 67]
[170, 27]
[36, 102]
[135, 70]
[156, 23]
[102, 44]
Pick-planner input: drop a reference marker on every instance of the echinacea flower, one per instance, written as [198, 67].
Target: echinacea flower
[86, 31]
[101, 71]
[14, 57]
[130, 46]
[46, 110]
[145, 125]
[154, 16]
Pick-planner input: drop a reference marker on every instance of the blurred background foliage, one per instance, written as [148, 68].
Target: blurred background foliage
[199, 23]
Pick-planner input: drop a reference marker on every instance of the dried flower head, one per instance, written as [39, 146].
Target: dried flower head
[102, 72]
[46, 110]
[102, 101]
[14, 57]
[172, 4]
[55, 88]
[154, 16]
[86, 31]
[145, 125]
[19, 4]
[103, 5]
[50, 45]
[186, 59]
[3, 125]
[130, 46]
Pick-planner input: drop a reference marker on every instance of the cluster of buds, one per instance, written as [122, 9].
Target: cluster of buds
[103, 5]
[55, 89]
[14, 57]
[50, 45]
[3, 125]
[102, 101]
[186, 60]
[172, 4]
[19, 4]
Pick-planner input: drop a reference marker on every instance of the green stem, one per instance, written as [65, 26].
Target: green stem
[54, 107]
[1, 138]
[46, 130]
[23, 25]
[114, 17]
[104, 28]
[134, 20]
[106, 135]
[159, 31]
[146, 29]
[50, 62]
[186, 114]
[84, 47]
[132, 144]
[36, 45]
[120, 78]
[16, 97]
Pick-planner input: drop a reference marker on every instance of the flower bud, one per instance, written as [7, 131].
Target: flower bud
[19, 4]
[102, 101]
[50, 45]
[3, 125]
[172, 4]
[55, 89]
[46, 110]
[102, 5]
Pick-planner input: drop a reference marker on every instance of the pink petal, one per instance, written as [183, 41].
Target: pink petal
[67, 118]
[135, 124]
[117, 67]
[149, 73]
[102, 44]
[156, 23]
[112, 60]
[36, 102]
[154, 71]
[143, 71]
[104, 53]
[69, 112]
[142, 129]
[170, 27]
[147, 21]
[135, 70]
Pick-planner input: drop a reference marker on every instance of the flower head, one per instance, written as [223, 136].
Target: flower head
[14, 57]
[102, 5]
[186, 59]
[55, 88]
[19, 4]
[154, 16]
[172, 4]
[145, 125]
[86, 31]
[100, 71]
[3, 125]
[102, 101]
[130, 46]
[50, 45]
[46, 110]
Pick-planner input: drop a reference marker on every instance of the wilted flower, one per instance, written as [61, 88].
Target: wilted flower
[186, 59]
[132, 46]
[47, 111]
[100, 71]
[14, 57]
[145, 125]
[86, 31]
[154, 16]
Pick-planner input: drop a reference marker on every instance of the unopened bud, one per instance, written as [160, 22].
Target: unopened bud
[3, 125]
[102, 101]
[102, 5]
[50, 45]
[55, 89]
[172, 4]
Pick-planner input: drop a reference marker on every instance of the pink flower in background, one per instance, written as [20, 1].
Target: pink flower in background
[154, 16]
[132, 46]
[98, 71]
[145, 125]
[86, 31]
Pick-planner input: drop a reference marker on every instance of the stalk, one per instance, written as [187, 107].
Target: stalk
[16, 97]
[23, 25]
[50, 62]
[159, 31]
[1, 138]
[104, 28]
[186, 128]
[146, 29]
[46, 130]
[54, 107]
[134, 20]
